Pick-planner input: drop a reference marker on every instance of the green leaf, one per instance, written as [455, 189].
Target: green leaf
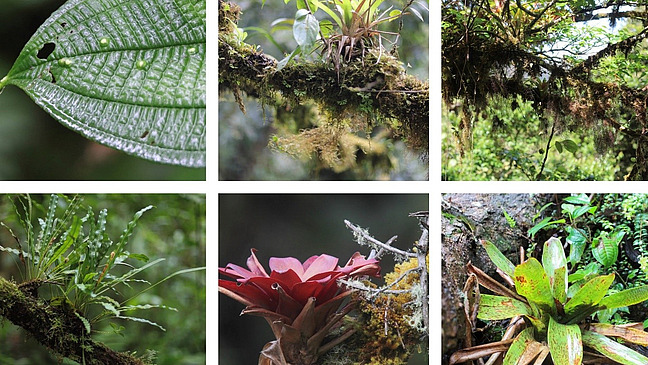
[498, 258]
[542, 209]
[605, 249]
[543, 224]
[577, 242]
[305, 29]
[558, 146]
[625, 298]
[581, 199]
[110, 308]
[396, 12]
[589, 295]
[301, 4]
[127, 74]
[565, 343]
[126, 234]
[330, 12]
[519, 346]
[281, 64]
[591, 269]
[147, 306]
[511, 222]
[568, 208]
[142, 320]
[346, 10]
[139, 257]
[580, 211]
[495, 307]
[559, 287]
[532, 282]
[570, 145]
[326, 27]
[553, 259]
[85, 322]
[613, 349]
[70, 238]
[117, 328]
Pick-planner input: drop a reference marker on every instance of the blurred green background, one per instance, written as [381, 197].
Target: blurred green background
[34, 146]
[243, 138]
[175, 230]
[300, 226]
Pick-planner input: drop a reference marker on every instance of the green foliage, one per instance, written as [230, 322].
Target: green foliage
[511, 222]
[342, 134]
[507, 140]
[555, 317]
[356, 21]
[134, 76]
[66, 249]
[583, 78]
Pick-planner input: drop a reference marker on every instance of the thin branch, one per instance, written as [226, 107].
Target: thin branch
[544, 161]
[592, 61]
[365, 235]
[422, 253]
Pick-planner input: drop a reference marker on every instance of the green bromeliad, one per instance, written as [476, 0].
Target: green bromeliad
[553, 308]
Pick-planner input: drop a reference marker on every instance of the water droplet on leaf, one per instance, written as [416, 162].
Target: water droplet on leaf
[141, 64]
[192, 50]
[65, 62]
[104, 42]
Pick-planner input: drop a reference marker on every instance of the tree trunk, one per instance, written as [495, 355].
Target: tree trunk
[468, 218]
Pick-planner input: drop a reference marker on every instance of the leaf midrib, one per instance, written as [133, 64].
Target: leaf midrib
[44, 62]
[24, 86]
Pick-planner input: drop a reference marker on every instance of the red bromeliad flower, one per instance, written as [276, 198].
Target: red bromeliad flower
[299, 301]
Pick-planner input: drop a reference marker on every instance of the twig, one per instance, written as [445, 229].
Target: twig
[422, 251]
[363, 234]
[553, 129]
[420, 293]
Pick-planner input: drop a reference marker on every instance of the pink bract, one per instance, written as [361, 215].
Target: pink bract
[300, 301]
[291, 283]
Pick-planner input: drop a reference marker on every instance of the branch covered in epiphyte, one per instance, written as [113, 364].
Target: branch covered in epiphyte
[400, 283]
[57, 326]
[375, 83]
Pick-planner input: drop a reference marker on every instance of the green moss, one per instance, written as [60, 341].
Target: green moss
[365, 92]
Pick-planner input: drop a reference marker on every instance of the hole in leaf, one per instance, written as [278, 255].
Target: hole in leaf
[144, 134]
[46, 50]
[64, 24]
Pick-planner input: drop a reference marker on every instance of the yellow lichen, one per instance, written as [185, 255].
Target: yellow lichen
[390, 337]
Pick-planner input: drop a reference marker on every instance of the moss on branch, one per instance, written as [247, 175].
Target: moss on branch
[374, 85]
[56, 327]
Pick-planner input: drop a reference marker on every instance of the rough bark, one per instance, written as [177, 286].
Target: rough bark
[468, 218]
[56, 327]
[375, 81]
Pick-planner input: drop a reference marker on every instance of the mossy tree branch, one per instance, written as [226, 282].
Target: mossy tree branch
[477, 65]
[56, 327]
[373, 84]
